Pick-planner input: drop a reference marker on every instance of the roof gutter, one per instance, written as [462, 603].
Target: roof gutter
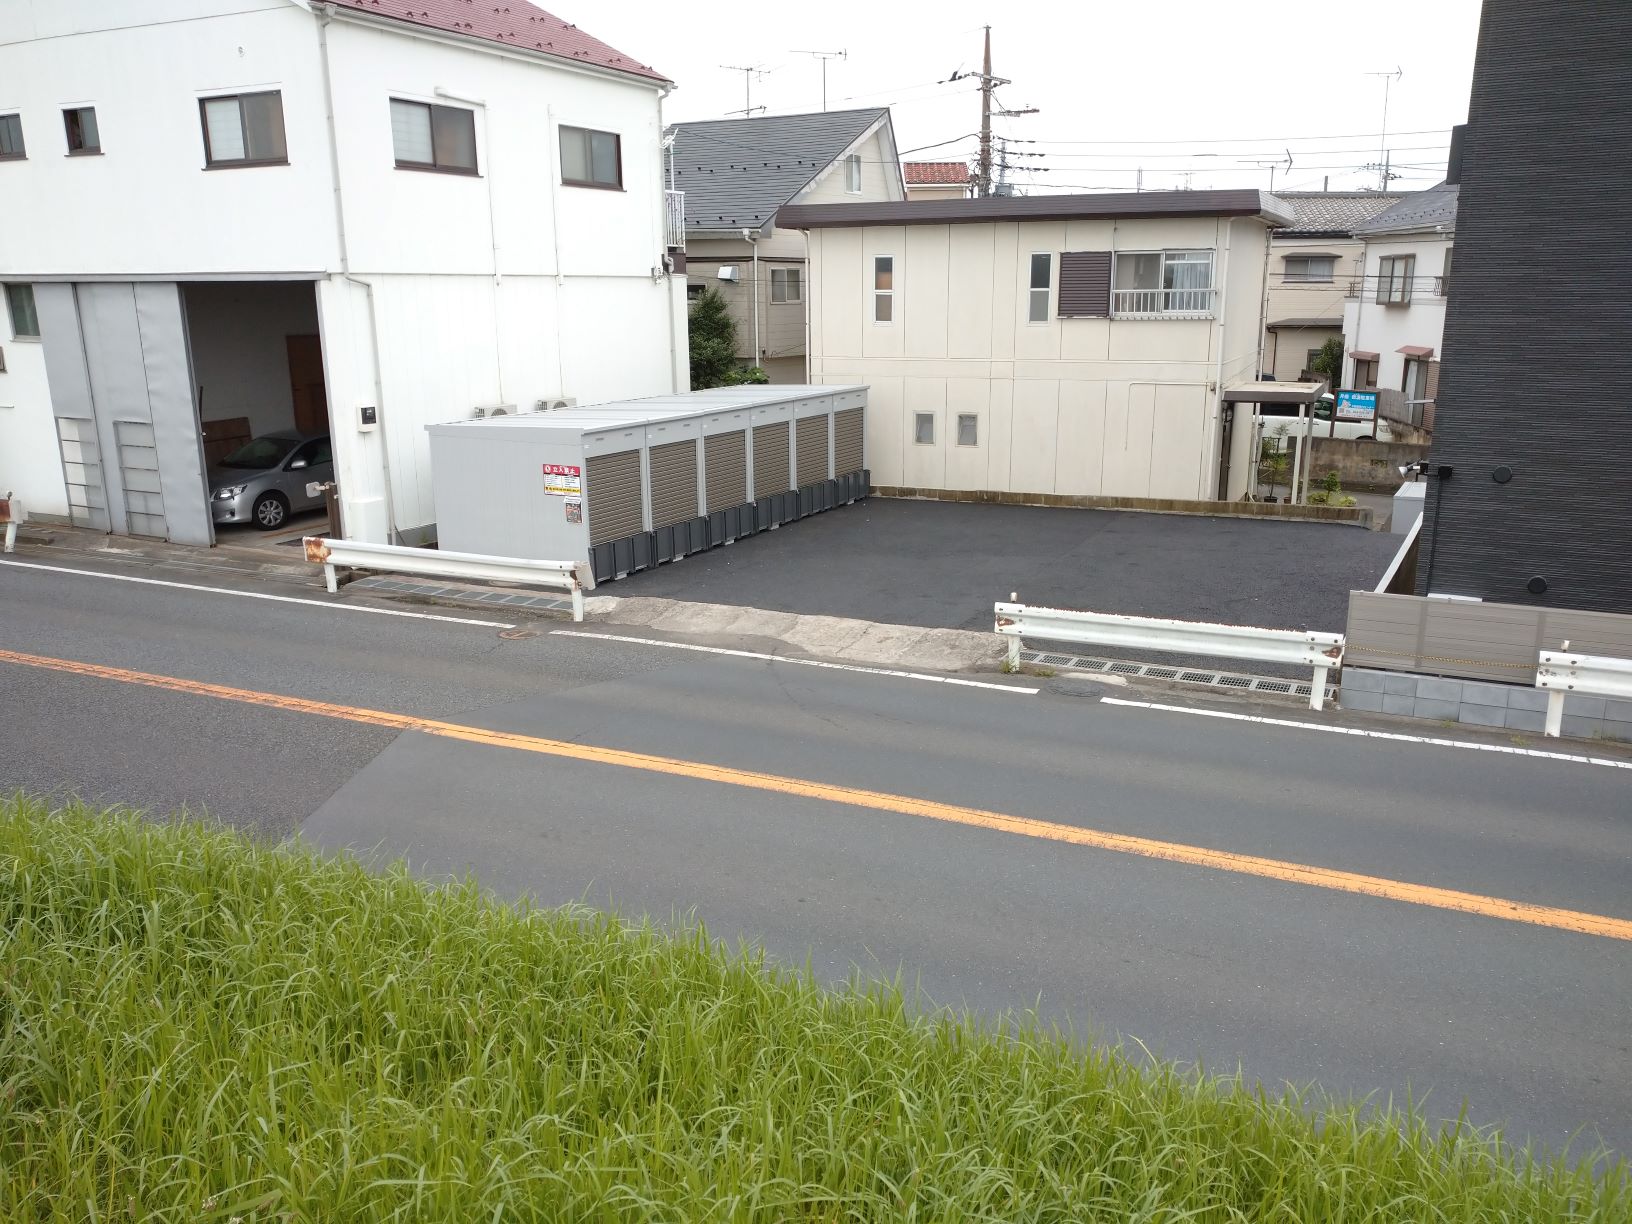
[565, 63]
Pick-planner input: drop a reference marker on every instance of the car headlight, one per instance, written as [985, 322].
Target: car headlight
[228, 494]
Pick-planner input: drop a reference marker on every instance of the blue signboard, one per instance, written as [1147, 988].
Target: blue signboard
[1356, 405]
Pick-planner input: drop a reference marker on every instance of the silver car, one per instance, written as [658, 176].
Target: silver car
[264, 480]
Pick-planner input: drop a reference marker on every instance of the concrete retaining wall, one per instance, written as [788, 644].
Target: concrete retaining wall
[1363, 465]
[1477, 703]
[1358, 516]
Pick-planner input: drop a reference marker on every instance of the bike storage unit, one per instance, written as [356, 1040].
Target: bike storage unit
[632, 484]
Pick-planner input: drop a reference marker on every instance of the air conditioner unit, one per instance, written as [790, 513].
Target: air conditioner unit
[493, 410]
[560, 401]
[730, 272]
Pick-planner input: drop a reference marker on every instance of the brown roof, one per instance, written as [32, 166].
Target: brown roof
[936, 174]
[510, 23]
[1223, 203]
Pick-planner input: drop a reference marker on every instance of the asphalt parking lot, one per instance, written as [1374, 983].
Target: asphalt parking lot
[943, 565]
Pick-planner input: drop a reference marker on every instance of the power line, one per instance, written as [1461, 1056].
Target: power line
[1281, 139]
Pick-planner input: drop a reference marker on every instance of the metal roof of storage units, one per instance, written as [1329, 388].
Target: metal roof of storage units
[592, 418]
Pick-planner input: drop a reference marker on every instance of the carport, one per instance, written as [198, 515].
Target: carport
[1239, 451]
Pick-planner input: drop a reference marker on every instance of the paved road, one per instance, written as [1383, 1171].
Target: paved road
[1526, 1023]
[942, 564]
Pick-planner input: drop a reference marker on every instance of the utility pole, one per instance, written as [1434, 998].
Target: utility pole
[748, 107]
[988, 86]
[824, 56]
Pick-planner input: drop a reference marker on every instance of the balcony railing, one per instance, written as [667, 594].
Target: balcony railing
[674, 220]
[1162, 303]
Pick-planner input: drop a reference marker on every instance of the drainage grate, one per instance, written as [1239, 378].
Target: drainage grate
[1233, 681]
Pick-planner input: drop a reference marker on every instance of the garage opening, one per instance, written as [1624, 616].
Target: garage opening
[263, 409]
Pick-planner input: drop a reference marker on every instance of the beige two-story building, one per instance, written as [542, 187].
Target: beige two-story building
[1078, 345]
[735, 174]
[1311, 264]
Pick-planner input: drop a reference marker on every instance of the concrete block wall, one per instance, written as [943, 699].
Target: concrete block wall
[1477, 703]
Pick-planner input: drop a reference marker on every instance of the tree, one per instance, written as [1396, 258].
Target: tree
[713, 341]
[1328, 363]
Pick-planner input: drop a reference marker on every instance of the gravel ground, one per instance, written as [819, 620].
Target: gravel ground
[943, 564]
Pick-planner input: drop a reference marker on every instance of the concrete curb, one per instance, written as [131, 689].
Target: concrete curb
[837, 638]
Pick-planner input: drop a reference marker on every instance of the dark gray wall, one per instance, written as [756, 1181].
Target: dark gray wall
[1537, 370]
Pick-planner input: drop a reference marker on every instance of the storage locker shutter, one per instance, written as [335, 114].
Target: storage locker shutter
[847, 427]
[771, 474]
[725, 469]
[811, 452]
[612, 494]
[674, 483]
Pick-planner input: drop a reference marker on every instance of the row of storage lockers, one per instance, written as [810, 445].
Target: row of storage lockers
[688, 516]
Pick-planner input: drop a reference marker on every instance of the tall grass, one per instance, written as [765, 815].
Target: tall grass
[197, 1027]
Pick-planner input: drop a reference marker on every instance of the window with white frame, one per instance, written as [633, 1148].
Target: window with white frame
[25, 320]
[852, 174]
[786, 285]
[1154, 283]
[11, 138]
[1394, 274]
[1415, 381]
[1313, 268]
[1042, 268]
[883, 288]
[923, 428]
[968, 429]
[1445, 274]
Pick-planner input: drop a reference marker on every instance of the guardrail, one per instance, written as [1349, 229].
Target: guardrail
[1318, 651]
[11, 513]
[573, 577]
[1562, 672]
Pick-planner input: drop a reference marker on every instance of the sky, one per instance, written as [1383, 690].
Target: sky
[1192, 93]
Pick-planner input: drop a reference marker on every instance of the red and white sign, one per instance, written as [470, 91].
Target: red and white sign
[563, 480]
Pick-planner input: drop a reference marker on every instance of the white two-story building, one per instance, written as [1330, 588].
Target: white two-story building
[225, 218]
[1086, 346]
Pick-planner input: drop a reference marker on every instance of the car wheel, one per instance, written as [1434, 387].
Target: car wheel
[271, 510]
[1366, 438]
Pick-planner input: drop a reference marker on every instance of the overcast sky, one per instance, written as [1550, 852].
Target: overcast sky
[1119, 84]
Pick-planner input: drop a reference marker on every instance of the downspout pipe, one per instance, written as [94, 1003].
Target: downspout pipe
[325, 14]
[752, 236]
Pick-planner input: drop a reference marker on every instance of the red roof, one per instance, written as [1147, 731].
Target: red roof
[936, 174]
[511, 23]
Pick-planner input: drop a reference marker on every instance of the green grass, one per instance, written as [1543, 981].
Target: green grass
[194, 1026]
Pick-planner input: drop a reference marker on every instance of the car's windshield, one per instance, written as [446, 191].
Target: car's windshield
[260, 453]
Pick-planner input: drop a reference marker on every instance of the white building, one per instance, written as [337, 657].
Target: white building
[263, 214]
[1066, 345]
[1394, 320]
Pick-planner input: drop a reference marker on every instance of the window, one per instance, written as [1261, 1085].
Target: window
[25, 322]
[313, 454]
[852, 174]
[1394, 279]
[1415, 381]
[883, 288]
[1445, 274]
[786, 286]
[1309, 360]
[1309, 268]
[923, 428]
[1163, 282]
[1042, 267]
[80, 122]
[244, 130]
[1365, 375]
[968, 429]
[694, 291]
[591, 159]
[429, 137]
[11, 138]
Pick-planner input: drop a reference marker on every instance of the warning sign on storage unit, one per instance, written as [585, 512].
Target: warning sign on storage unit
[563, 480]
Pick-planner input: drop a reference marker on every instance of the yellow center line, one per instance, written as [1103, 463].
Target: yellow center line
[1121, 843]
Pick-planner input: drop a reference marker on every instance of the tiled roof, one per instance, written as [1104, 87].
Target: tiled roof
[737, 172]
[936, 174]
[510, 23]
[1330, 213]
[1431, 209]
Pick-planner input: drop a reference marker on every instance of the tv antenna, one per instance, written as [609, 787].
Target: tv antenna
[748, 75]
[824, 56]
[1381, 165]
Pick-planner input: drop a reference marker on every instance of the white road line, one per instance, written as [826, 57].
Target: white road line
[1397, 736]
[770, 658]
[313, 603]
